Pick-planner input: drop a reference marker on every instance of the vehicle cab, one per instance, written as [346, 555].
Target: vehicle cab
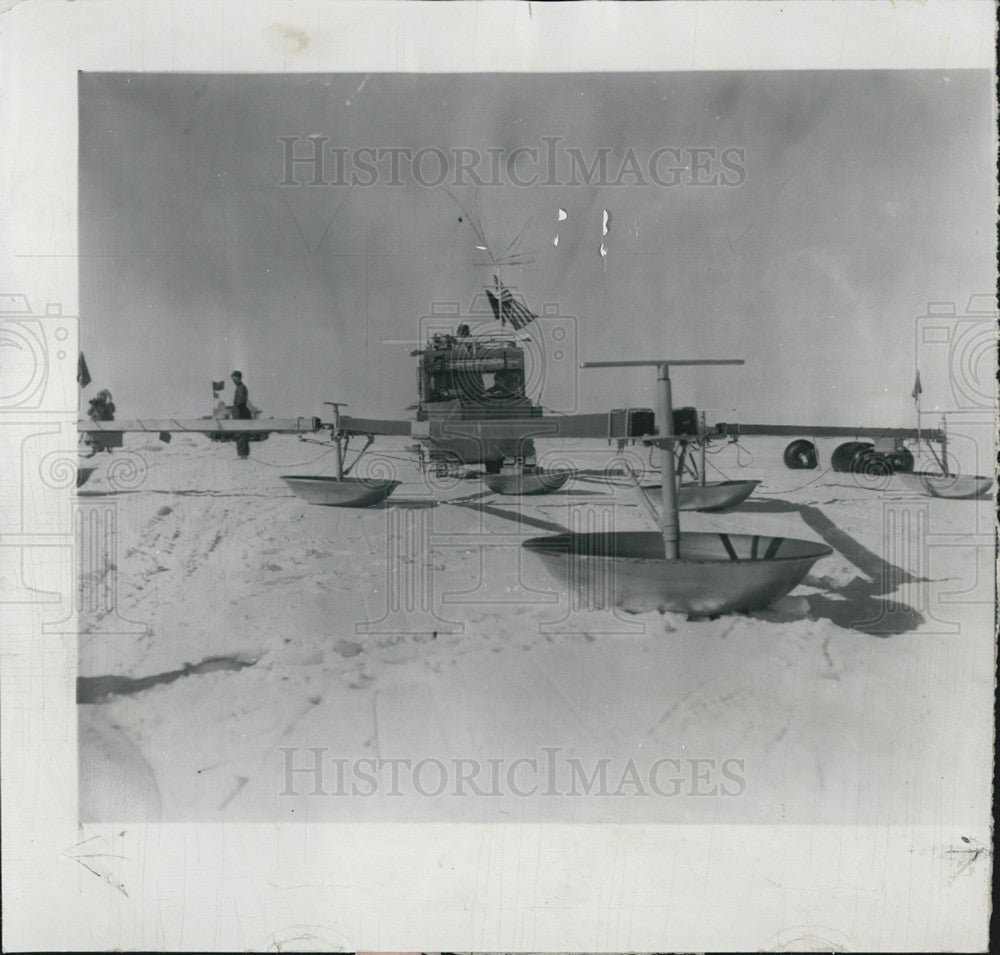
[472, 378]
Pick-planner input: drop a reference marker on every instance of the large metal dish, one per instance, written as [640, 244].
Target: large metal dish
[711, 496]
[339, 492]
[955, 486]
[714, 574]
[527, 482]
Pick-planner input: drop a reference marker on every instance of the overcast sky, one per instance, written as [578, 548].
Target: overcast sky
[852, 200]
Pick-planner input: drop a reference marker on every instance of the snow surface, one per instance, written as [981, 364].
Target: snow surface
[280, 632]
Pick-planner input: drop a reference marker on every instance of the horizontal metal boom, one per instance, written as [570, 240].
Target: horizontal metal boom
[202, 425]
[724, 429]
[655, 363]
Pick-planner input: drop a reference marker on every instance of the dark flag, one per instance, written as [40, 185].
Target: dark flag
[495, 305]
[507, 309]
[82, 372]
[917, 390]
[218, 385]
[165, 437]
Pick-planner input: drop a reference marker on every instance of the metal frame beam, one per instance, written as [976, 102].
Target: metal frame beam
[202, 425]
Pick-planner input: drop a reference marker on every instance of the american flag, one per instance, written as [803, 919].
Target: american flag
[507, 309]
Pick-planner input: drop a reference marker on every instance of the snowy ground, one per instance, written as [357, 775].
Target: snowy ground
[296, 656]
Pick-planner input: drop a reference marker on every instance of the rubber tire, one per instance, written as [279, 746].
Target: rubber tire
[845, 456]
[446, 464]
[801, 456]
[871, 464]
[901, 460]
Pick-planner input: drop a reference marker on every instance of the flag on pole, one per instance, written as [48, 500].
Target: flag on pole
[218, 386]
[82, 372]
[507, 309]
[917, 390]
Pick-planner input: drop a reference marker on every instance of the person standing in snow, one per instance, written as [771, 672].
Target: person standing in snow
[241, 409]
[102, 408]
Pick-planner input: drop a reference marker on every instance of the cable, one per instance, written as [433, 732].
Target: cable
[553, 411]
[717, 469]
[740, 450]
[300, 464]
[813, 481]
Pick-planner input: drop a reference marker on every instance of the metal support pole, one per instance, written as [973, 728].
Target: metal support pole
[669, 523]
[338, 437]
[643, 496]
[679, 465]
[944, 446]
[340, 457]
[704, 441]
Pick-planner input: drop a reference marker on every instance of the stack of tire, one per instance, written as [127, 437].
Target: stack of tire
[853, 457]
[860, 457]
